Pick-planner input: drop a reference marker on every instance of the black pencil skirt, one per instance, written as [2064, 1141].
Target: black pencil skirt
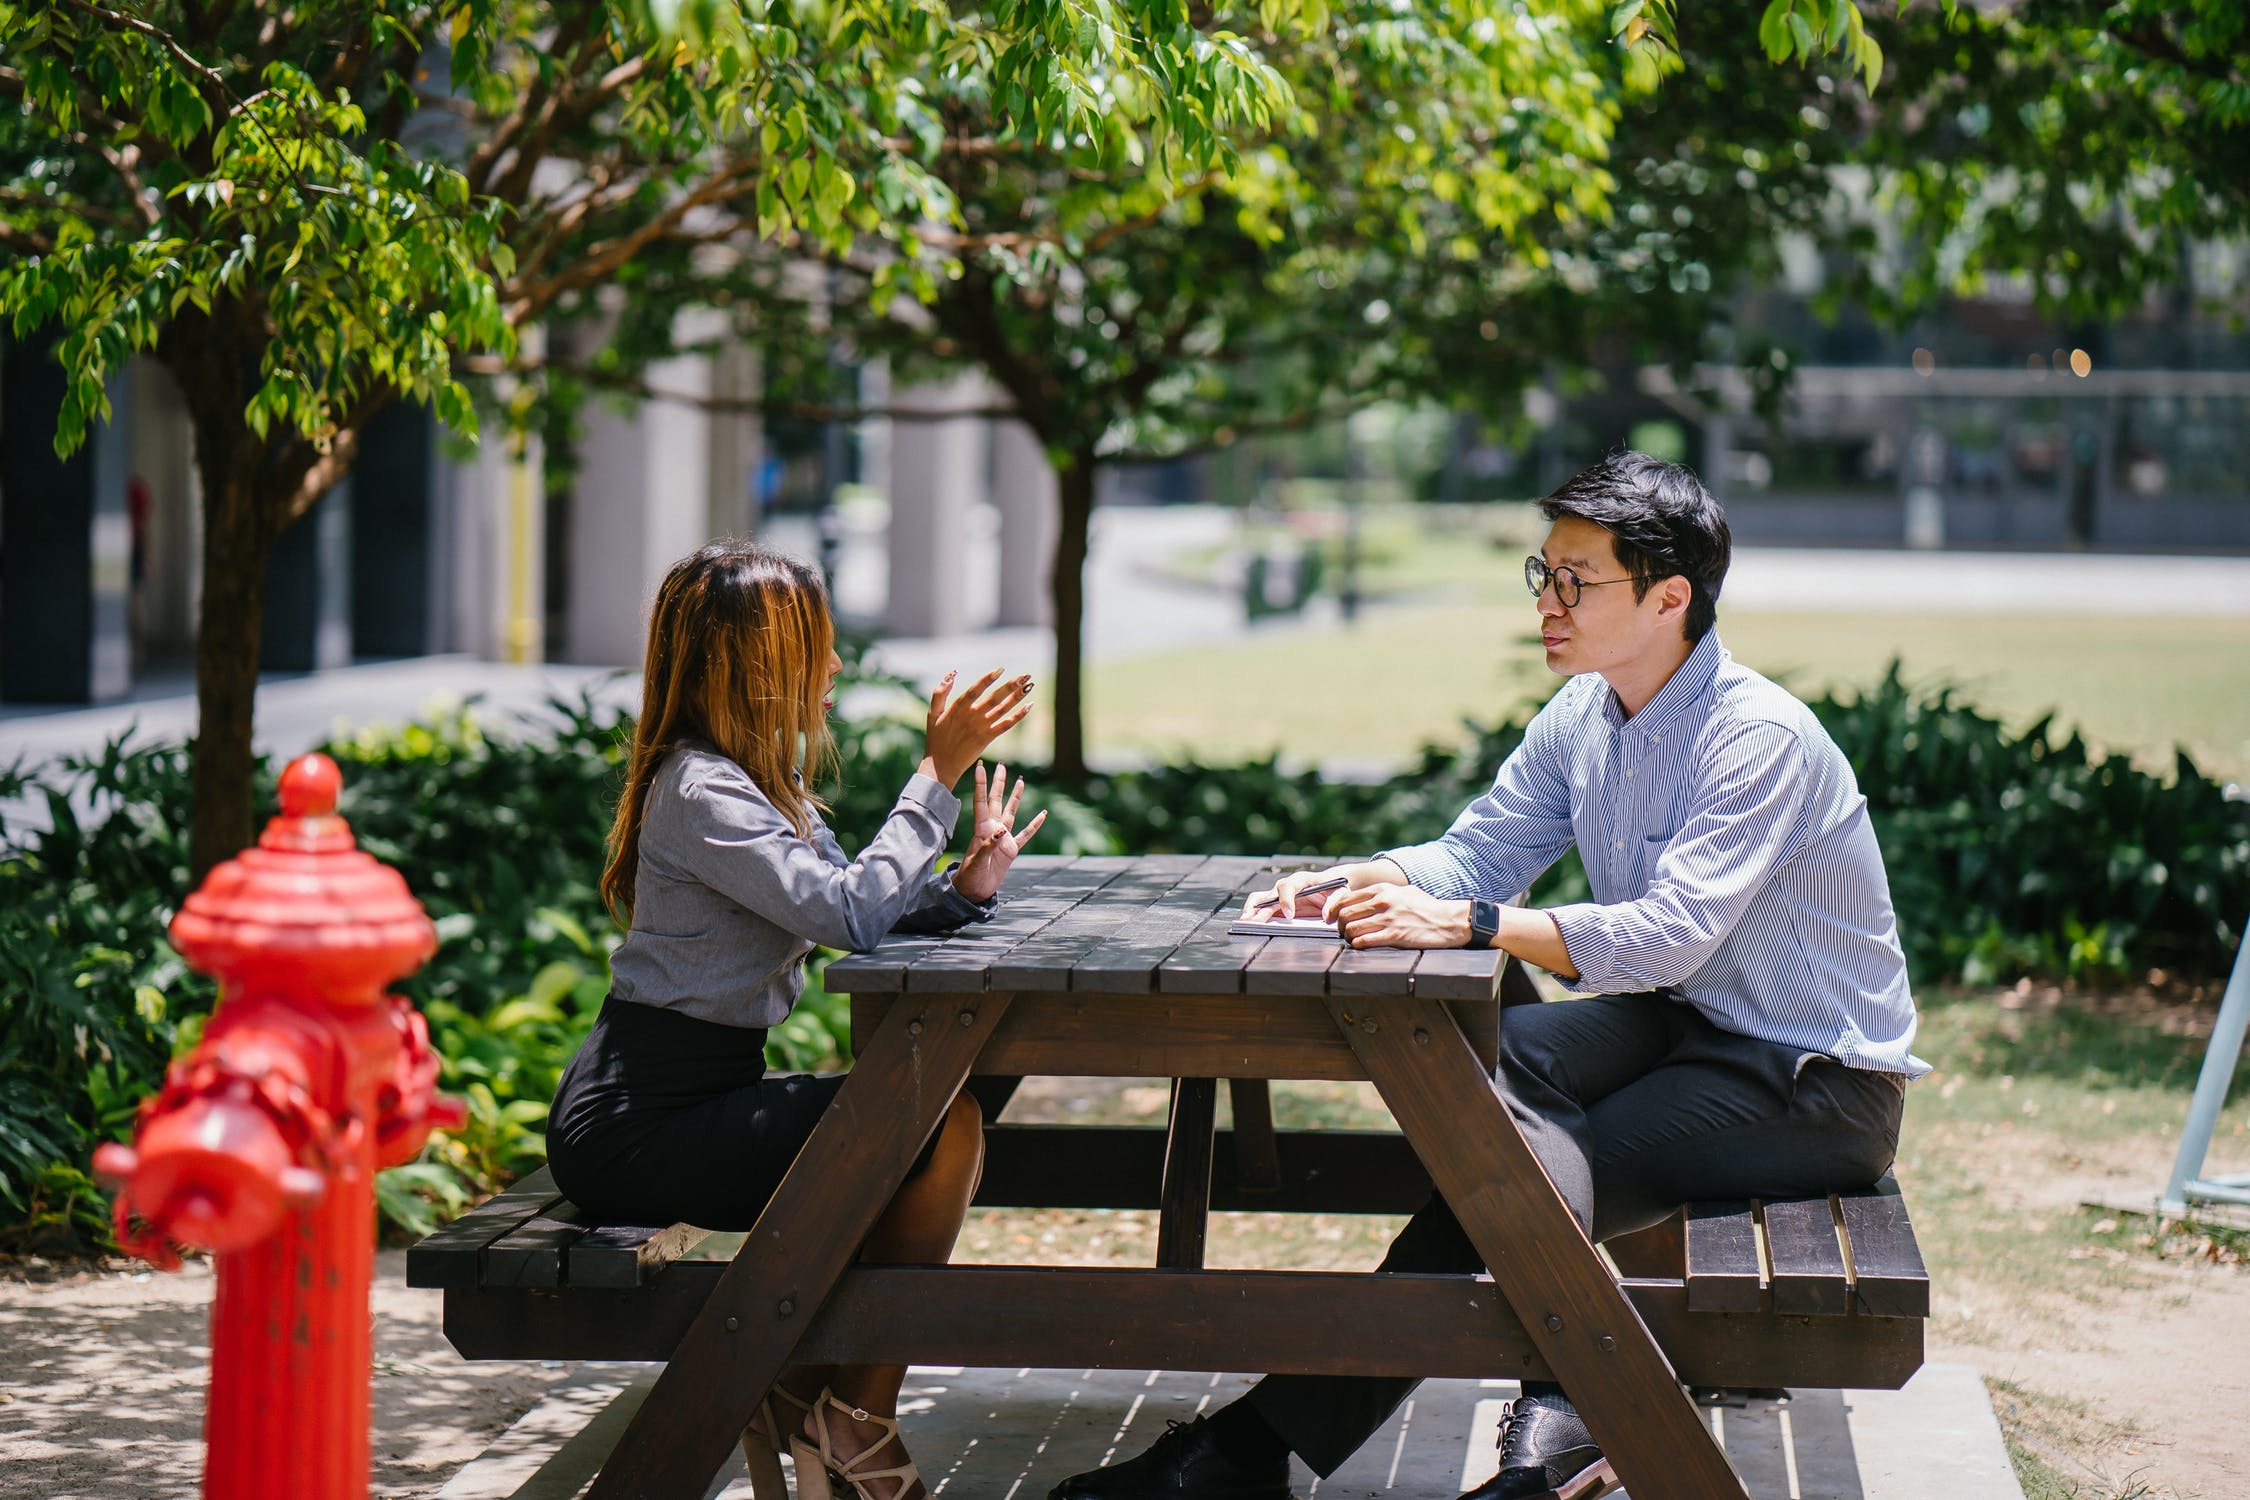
[663, 1118]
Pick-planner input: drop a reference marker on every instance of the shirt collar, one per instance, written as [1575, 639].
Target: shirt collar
[1683, 688]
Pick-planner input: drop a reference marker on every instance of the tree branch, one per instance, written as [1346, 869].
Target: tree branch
[24, 242]
[2151, 42]
[538, 98]
[605, 257]
[753, 406]
[214, 87]
[566, 110]
[94, 211]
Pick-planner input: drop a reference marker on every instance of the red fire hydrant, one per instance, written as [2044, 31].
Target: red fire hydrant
[265, 1141]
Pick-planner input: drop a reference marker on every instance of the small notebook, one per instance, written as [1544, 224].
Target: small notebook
[1312, 927]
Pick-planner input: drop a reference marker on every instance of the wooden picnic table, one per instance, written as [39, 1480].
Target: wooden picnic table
[1123, 967]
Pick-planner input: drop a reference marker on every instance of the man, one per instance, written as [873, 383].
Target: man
[1749, 1022]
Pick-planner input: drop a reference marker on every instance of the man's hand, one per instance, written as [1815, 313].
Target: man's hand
[1285, 898]
[994, 841]
[1398, 916]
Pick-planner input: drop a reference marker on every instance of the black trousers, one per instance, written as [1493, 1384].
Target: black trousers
[663, 1118]
[1634, 1105]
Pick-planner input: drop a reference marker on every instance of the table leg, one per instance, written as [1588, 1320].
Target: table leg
[1185, 1214]
[808, 1235]
[1257, 1155]
[1540, 1259]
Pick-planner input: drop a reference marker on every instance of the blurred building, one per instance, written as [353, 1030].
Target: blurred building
[1988, 426]
[431, 548]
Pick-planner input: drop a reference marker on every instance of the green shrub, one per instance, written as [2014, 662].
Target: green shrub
[2008, 853]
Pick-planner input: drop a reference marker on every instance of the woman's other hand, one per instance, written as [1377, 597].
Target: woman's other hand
[995, 841]
[960, 728]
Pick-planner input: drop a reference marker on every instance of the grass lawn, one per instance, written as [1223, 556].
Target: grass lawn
[1403, 677]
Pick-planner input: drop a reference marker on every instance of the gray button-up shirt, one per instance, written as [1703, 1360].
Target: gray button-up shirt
[729, 899]
[1728, 848]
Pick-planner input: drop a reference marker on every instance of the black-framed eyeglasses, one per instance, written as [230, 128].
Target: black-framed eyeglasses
[1537, 575]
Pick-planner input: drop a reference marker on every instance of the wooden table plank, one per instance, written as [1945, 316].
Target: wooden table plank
[1888, 1276]
[1293, 966]
[1808, 1264]
[1725, 1271]
[1541, 1260]
[1460, 973]
[1210, 961]
[1126, 963]
[1291, 1322]
[616, 1255]
[1373, 971]
[1044, 961]
[1157, 1036]
[531, 1254]
[961, 963]
[452, 1255]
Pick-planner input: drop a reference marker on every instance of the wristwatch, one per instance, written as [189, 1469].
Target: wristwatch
[1484, 922]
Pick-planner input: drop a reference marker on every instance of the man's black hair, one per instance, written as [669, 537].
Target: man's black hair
[1661, 521]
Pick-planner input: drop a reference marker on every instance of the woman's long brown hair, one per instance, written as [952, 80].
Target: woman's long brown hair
[738, 647]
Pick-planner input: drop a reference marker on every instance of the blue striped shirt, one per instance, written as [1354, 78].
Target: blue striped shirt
[1728, 848]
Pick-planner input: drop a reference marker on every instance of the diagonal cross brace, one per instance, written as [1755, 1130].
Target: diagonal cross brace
[1596, 1344]
[809, 1234]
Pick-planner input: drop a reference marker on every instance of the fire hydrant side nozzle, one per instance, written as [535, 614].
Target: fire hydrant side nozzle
[264, 1141]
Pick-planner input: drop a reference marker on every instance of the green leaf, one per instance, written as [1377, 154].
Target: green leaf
[1773, 30]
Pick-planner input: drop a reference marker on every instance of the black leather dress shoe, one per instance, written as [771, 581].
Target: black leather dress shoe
[1546, 1453]
[1184, 1464]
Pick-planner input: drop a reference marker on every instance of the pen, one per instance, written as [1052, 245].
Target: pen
[1319, 888]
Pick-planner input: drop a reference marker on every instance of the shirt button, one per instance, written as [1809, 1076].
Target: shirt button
[1618, 844]
[1628, 775]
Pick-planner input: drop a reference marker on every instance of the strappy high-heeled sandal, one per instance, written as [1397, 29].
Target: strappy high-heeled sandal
[818, 1466]
[761, 1451]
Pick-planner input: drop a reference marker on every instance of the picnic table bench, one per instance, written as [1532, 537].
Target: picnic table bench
[1812, 1293]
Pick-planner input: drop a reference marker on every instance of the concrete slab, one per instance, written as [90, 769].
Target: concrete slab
[1012, 1434]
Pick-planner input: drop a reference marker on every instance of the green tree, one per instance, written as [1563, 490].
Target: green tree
[306, 213]
[1462, 198]
[1425, 212]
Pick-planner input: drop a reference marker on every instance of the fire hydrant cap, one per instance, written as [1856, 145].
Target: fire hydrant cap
[307, 901]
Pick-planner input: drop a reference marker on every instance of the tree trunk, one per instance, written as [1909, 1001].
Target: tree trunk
[237, 540]
[1075, 487]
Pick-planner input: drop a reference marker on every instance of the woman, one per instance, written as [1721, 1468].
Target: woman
[725, 877]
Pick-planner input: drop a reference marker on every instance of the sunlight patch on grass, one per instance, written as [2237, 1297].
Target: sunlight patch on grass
[1405, 677]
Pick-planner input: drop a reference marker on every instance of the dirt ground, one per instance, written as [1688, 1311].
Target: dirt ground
[2139, 1394]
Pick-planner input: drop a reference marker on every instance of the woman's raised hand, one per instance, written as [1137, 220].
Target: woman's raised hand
[960, 728]
[995, 841]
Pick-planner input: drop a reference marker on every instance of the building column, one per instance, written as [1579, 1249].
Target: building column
[66, 568]
[489, 582]
[737, 444]
[937, 475]
[642, 501]
[172, 561]
[307, 626]
[1023, 489]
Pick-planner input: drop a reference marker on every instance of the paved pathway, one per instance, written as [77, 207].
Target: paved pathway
[1013, 1434]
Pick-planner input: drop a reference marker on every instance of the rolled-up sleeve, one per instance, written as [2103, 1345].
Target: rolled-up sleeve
[1508, 837]
[1720, 860]
[747, 851]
